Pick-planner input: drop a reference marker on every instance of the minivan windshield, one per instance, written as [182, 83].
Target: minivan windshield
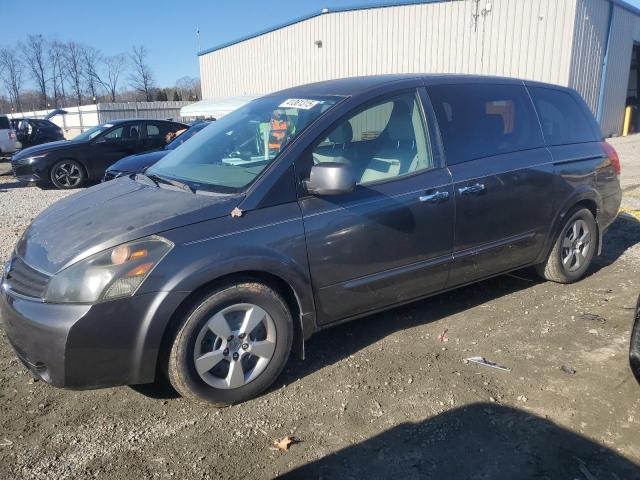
[231, 153]
[183, 137]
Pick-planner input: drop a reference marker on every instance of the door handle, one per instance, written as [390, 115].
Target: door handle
[475, 188]
[434, 197]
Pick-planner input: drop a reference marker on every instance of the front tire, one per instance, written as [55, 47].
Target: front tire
[232, 345]
[573, 250]
[67, 174]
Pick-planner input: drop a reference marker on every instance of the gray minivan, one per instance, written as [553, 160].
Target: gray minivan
[306, 208]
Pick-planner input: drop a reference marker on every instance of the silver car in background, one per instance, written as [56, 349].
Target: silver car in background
[8, 140]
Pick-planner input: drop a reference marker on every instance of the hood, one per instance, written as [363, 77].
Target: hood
[135, 163]
[109, 214]
[45, 147]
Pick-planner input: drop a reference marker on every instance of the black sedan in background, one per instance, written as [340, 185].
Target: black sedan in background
[137, 163]
[36, 131]
[68, 164]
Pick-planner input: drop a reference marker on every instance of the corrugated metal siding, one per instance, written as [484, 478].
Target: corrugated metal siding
[524, 38]
[108, 112]
[625, 29]
[590, 38]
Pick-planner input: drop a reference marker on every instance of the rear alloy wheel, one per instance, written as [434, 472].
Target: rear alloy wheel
[67, 174]
[574, 249]
[232, 345]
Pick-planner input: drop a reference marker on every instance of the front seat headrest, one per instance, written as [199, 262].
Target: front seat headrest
[400, 126]
[343, 133]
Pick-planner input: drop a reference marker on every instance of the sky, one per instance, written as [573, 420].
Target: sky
[166, 27]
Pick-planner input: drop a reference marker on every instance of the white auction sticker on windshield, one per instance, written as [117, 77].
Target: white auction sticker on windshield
[300, 103]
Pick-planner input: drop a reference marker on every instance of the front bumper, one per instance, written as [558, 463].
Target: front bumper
[89, 346]
[25, 172]
[12, 148]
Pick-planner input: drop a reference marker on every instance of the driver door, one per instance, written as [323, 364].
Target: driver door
[117, 143]
[390, 240]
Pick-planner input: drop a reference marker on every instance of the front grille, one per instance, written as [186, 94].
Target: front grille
[27, 281]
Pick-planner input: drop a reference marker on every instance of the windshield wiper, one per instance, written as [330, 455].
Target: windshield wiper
[170, 181]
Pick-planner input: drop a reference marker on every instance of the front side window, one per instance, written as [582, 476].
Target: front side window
[380, 142]
[479, 121]
[231, 153]
[126, 132]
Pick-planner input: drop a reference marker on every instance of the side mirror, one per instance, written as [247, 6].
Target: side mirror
[330, 178]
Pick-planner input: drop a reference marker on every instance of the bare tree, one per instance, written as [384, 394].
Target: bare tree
[188, 88]
[142, 77]
[12, 69]
[113, 67]
[73, 61]
[57, 66]
[34, 52]
[91, 57]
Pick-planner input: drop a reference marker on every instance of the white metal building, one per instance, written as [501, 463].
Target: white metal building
[585, 44]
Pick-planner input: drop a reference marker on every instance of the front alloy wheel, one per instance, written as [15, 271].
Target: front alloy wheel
[231, 345]
[67, 174]
[235, 346]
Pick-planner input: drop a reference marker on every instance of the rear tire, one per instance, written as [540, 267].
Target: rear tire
[67, 174]
[232, 345]
[573, 250]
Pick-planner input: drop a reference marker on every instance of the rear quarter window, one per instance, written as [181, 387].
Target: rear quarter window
[479, 121]
[4, 123]
[563, 120]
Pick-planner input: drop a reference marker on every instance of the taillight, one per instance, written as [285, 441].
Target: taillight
[613, 157]
[12, 135]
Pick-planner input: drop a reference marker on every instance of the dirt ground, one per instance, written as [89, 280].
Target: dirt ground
[379, 397]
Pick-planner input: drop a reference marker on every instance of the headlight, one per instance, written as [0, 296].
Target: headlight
[112, 273]
[32, 159]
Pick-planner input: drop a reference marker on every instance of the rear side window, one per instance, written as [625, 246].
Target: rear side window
[563, 120]
[4, 123]
[153, 131]
[160, 129]
[484, 120]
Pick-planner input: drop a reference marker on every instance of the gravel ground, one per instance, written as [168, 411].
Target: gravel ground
[378, 397]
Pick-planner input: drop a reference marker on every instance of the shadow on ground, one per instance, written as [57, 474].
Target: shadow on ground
[5, 187]
[480, 441]
[623, 234]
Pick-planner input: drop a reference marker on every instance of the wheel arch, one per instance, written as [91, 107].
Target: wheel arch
[302, 324]
[587, 198]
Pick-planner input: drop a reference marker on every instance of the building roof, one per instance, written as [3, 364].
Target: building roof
[387, 4]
